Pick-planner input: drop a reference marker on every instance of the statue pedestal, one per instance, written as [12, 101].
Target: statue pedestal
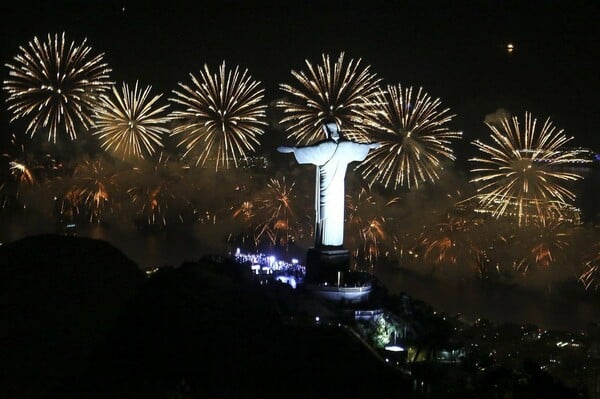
[327, 264]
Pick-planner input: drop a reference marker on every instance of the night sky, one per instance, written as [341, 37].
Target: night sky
[456, 50]
[457, 53]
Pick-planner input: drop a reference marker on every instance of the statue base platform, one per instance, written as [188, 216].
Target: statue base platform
[327, 264]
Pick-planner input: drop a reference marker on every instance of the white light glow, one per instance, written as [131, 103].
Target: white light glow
[394, 348]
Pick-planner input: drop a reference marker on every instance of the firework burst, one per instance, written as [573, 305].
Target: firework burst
[366, 225]
[22, 178]
[551, 239]
[223, 116]
[519, 172]
[359, 205]
[56, 84]
[373, 236]
[328, 91]
[590, 277]
[127, 124]
[70, 205]
[153, 194]
[245, 212]
[26, 169]
[22, 173]
[413, 134]
[94, 187]
[453, 242]
[544, 241]
[275, 213]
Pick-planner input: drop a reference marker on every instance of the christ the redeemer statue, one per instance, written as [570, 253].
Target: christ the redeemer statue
[331, 157]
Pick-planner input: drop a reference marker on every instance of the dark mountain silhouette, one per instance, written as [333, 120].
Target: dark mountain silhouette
[203, 330]
[80, 320]
[59, 297]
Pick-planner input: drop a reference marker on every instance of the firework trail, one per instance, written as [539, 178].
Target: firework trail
[590, 277]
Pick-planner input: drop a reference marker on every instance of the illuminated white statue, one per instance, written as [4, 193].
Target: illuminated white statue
[331, 157]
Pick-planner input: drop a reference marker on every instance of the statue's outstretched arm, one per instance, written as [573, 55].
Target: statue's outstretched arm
[285, 150]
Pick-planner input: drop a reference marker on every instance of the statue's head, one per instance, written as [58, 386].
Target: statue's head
[331, 130]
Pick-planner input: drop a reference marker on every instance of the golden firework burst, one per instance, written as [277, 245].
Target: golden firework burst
[57, 84]
[337, 91]
[414, 136]
[520, 172]
[128, 125]
[223, 116]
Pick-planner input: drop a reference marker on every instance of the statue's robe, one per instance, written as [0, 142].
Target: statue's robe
[331, 159]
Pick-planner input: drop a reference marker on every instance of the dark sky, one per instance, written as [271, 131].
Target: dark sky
[456, 52]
